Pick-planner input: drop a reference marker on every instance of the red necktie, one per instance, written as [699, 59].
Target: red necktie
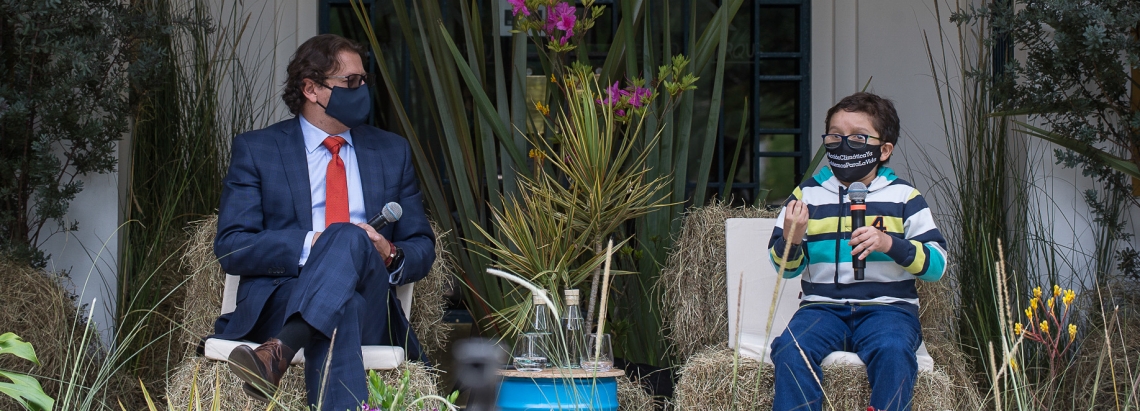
[336, 184]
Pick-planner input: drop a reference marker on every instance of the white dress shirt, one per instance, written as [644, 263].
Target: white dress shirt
[318, 158]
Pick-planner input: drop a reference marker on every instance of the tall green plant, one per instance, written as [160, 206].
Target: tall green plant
[1073, 77]
[982, 191]
[64, 67]
[184, 118]
[485, 151]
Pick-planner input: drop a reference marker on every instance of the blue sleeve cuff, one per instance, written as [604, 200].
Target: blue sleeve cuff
[793, 254]
[902, 251]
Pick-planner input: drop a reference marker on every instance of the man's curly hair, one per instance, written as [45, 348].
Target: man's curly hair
[315, 59]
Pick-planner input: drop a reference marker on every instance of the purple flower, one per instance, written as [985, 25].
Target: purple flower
[639, 96]
[562, 17]
[519, 7]
[613, 94]
[620, 113]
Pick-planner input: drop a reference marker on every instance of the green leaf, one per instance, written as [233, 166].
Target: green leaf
[10, 343]
[26, 391]
[1117, 163]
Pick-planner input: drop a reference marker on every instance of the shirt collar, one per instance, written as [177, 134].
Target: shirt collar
[314, 136]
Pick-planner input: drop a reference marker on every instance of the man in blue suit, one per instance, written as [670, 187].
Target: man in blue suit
[292, 226]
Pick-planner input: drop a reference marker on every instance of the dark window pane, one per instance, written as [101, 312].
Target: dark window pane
[343, 21]
[778, 104]
[779, 67]
[779, 29]
[778, 178]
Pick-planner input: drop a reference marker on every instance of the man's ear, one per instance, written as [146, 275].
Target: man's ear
[888, 148]
[309, 89]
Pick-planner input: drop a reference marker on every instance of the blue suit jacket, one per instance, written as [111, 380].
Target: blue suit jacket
[266, 212]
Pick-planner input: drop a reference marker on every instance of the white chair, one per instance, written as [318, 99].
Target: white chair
[751, 282]
[376, 357]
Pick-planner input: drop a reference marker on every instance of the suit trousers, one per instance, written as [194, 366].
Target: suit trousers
[884, 336]
[343, 290]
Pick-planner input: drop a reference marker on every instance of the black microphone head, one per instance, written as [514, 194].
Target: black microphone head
[857, 192]
[392, 212]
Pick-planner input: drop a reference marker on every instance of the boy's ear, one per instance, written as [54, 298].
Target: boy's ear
[888, 148]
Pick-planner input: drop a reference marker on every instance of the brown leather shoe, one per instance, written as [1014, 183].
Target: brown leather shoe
[261, 368]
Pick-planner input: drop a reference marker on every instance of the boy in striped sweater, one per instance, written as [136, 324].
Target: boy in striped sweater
[876, 317]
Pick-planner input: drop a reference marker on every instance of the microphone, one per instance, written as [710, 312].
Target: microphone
[389, 214]
[858, 194]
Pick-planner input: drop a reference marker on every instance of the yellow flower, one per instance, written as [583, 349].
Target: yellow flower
[1072, 331]
[1013, 364]
[1050, 302]
[553, 80]
[1017, 329]
[536, 154]
[1069, 297]
[1029, 313]
[1033, 303]
[542, 108]
[1045, 327]
[1056, 291]
[1037, 292]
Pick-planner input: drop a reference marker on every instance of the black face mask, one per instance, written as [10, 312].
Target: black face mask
[350, 106]
[850, 165]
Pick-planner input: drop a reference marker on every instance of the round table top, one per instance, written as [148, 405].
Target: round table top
[562, 373]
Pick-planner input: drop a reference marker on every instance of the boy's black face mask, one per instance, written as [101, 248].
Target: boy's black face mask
[850, 165]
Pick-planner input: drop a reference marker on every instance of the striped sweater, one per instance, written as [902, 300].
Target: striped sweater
[824, 258]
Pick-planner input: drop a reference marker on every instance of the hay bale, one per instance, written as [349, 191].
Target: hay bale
[695, 305]
[206, 283]
[709, 382]
[633, 397]
[207, 280]
[692, 282]
[211, 378]
[37, 306]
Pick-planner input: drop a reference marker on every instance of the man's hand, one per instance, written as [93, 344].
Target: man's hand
[381, 243]
[795, 221]
[868, 239]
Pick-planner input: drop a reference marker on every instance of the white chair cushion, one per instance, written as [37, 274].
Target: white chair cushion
[751, 281]
[376, 357]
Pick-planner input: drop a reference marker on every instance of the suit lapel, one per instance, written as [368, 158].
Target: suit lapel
[296, 164]
[370, 163]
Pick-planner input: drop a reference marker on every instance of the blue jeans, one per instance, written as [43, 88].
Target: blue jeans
[885, 337]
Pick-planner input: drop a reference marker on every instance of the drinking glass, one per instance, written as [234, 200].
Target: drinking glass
[599, 353]
[529, 354]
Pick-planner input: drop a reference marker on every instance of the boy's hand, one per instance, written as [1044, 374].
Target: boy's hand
[795, 222]
[869, 239]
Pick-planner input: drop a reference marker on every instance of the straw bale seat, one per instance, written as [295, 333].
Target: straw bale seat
[702, 307]
[211, 291]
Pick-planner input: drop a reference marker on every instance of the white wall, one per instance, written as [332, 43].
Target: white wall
[91, 253]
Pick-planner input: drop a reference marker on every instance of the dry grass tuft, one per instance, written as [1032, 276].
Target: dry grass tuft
[632, 397]
[693, 284]
[708, 383]
[37, 306]
[429, 301]
[214, 377]
[938, 330]
[204, 287]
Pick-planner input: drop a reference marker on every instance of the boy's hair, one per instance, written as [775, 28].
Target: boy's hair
[314, 59]
[882, 112]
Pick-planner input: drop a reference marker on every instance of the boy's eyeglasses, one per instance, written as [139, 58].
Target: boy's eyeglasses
[353, 80]
[855, 141]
